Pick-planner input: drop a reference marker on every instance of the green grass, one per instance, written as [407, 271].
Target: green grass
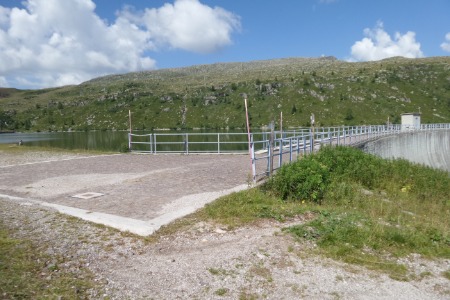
[337, 92]
[25, 274]
[446, 274]
[221, 292]
[249, 206]
[367, 210]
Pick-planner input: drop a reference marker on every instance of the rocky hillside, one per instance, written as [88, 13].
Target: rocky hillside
[211, 96]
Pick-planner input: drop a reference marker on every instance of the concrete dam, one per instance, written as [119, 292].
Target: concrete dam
[430, 148]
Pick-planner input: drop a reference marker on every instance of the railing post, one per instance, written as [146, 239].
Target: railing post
[270, 152]
[338, 136]
[304, 144]
[129, 141]
[290, 149]
[186, 143]
[218, 143]
[280, 159]
[329, 134]
[345, 136]
[252, 147]
[150, 142]
[350, 131]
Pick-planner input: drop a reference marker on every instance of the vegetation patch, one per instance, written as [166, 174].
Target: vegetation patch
[366, 210]
[221, 292]
[26, 272]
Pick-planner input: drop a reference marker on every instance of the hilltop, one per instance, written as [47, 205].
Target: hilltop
[211, 96]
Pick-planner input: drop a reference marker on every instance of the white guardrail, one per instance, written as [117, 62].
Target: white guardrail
[270, 147]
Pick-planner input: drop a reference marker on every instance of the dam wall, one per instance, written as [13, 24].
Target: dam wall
[430, 148]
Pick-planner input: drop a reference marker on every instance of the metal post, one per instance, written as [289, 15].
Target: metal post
[304, 144]
[345, 136]
[339, 136]
[290, 149]
[252, 144]
[280, 159]
[150, 143]
[129, 140]
[329, 134]
[350, 133]
[311, 140]
[281, 124]
[248, 132]
[218, 143]
[271, 142]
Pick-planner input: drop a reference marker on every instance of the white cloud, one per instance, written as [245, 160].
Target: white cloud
[378, 44]
[446, 45]
[53, 42]
[190, 25]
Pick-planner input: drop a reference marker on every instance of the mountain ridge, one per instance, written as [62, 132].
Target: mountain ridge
[210, 96]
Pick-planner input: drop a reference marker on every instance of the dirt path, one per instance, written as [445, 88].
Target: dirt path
[205, 261]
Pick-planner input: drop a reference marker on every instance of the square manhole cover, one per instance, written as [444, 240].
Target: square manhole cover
[89, 195]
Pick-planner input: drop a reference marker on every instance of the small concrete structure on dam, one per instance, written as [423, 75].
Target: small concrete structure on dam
[431, 148]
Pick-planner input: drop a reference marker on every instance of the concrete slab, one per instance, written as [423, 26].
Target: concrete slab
[135, 193]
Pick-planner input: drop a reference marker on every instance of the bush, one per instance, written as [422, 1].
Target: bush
[310, 177]
[305, 179]
[347, 163]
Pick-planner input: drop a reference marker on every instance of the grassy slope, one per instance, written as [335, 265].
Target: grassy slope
[365, 210]
[337, 92]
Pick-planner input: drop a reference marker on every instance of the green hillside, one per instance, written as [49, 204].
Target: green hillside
[211, 96]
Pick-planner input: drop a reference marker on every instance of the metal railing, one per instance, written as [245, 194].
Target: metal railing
[268, 150]
[189, 143]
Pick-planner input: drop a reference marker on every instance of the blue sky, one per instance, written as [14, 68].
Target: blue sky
[46, 43]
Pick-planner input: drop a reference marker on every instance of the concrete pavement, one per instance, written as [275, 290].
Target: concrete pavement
[130, 192]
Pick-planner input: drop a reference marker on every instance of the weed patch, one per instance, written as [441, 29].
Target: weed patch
[24, 273]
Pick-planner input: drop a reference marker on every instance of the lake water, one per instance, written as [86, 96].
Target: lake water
[116, 140]
[92, 140]
[161, 141]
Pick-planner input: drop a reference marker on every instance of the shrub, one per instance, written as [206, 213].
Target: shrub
[305, 179]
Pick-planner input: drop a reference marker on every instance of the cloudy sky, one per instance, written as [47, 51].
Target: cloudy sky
[48, 43]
